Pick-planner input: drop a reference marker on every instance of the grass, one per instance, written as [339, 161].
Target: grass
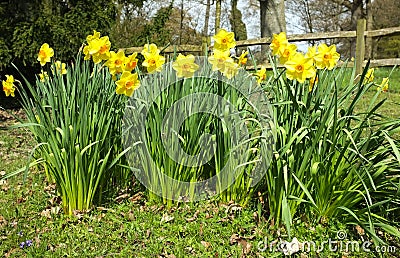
[391, 105]
[128, 226]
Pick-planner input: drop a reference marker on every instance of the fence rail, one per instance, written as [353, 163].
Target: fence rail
[360, 34]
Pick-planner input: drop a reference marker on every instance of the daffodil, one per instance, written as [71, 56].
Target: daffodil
[127, 84]
[327, 57]
[96, 35]
[116, 62]
[384, 86]
[185, 66]
[224, 40]
[231, 69]
[261, 74]
[131, 62]
[45, 54]
[242, 58]
[98, 48]
[8, 86]
[150, 49]
[60, 67]
[218, 59]
[43, 76]
[311, 53]
[369, 76]
[152, 58]
[299, 68]
[279, 41]
[287, 52]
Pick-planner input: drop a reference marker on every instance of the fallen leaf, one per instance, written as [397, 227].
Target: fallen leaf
[55, 200]
[3, 221]
[246, 247]
[205, 244]
[234, 239]
[166, 218]
[46, 213]
[105, 209]
[21, 200]
[49, 187]
[256, 217]
[121, 198]
[360, 230]
[55, 210]
[194, 217]
[136, 198]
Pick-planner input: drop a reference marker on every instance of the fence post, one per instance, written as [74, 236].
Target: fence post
[360, 45]
[204, 45]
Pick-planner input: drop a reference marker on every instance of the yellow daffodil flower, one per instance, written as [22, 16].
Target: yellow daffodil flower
[60, 67]
[218, 59]
[299, 68]
[231, 69]
[287, 52]
[242, 58]
[384, 86]
[369, 76]
[152, 58]
[8, 86]
[311, 53]
[224, 40]
[43, 76]
[131, 62]
[45, 54]
[261, 74]
[185, 66]
[327, 57]
[279, 41]
[116, 62]
[150, 49]
[127, 84]
[98, 48]
[95, 36]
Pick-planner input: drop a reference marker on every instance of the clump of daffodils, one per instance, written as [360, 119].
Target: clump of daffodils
[221, 59]
[302, 67]
[299, 66]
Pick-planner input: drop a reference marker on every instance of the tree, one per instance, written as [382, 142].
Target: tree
[218, 4]
[63, 24]
[237, 24]
[272, 15]
[26, 25]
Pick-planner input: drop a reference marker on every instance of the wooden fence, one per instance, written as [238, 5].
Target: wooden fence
[360, 34]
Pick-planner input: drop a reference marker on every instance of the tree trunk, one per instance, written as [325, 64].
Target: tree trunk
[369, 41]
[237, 24]
[207, 19]
[217, 15]
[181, 25]
[272, 14]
